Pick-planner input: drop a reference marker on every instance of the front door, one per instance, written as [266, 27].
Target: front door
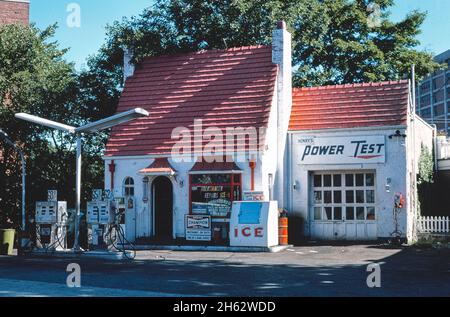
[130, 219]
[163, 208]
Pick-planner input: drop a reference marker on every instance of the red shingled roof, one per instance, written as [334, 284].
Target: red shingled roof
[224, 88]
[350, 106]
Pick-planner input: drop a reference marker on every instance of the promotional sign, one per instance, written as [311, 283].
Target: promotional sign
[253, 196]
[342, 150]
[198, 228]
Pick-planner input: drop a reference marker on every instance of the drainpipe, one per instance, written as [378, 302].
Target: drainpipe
[252, 165]
[112, 169]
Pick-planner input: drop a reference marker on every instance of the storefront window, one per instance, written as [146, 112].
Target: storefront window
[213, 194]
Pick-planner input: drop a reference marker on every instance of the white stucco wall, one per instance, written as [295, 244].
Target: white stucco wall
[395, 168]
[130, 166]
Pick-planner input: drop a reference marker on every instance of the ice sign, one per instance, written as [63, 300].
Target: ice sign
[250, 213]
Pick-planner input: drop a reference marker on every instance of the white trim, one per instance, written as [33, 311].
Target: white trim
[157, 173]
[216, 172]
[21, 1]
[376, 128]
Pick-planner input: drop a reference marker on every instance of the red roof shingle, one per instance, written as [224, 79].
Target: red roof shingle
[350, 106]
[224, 88]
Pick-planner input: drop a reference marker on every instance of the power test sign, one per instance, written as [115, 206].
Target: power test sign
[198, 228]
[342, 150]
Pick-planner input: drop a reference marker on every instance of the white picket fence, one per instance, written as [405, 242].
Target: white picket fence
[434, 225]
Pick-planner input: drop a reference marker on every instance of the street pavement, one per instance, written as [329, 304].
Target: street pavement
[310, 270]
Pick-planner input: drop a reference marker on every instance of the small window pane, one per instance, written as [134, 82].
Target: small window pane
[370, 213]
[348, 179]
[337, 195]
[328, 213]
[326, 180]
[349, 196]
[359, 179]
[327, 197]
[337, 213]
[350, 213]
[370, 196]
[370, 179]
[337, 180]
[360, 213]
[360, 196]
[317, 213]
[318, 197]
[317, 180]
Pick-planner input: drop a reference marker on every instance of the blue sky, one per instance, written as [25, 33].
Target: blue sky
[96, 14]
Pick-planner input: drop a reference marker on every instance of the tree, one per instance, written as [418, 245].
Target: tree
[334, 41]
[34, 78]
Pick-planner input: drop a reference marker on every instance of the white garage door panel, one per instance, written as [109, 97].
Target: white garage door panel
[372, 231]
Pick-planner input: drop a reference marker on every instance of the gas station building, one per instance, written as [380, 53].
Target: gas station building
[334, 157]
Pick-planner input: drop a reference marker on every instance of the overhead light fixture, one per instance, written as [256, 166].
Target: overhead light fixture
[88, 128]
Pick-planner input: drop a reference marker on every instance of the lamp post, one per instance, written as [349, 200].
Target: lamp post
[92, 127]
[5, 137]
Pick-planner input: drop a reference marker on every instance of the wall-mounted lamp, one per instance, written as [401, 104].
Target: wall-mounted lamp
[397, 134]
[296, 185]
[388, 185]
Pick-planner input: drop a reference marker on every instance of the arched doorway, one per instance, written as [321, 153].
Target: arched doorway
[162, 208]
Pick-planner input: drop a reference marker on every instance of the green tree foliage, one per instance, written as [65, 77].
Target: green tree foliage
[334, 41]
[425, 180]
[34, 78]
[426, 166]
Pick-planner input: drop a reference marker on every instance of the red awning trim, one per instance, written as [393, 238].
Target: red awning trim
[160, 166]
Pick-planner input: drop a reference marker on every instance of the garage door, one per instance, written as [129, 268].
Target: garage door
[343, 206]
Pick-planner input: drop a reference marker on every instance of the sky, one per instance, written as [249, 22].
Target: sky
[86, 37]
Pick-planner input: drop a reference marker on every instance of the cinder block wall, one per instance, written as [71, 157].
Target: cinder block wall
[14, 11]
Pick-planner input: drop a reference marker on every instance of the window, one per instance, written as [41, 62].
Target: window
[213, 194]
[349, 196]
[128, 186]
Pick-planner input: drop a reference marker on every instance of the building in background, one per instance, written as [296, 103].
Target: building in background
[14, 11]
[433, 96]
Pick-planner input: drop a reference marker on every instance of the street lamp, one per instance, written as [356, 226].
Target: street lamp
[88, 128]
[5, 137]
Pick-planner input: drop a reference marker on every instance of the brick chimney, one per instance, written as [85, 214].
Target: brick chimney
[14, 11]
[282, 56]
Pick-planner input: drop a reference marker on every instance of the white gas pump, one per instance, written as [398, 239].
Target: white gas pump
[100, 215]
[51, 222]
[106, 220]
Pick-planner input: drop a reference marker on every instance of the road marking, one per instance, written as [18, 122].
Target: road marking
[313, 251]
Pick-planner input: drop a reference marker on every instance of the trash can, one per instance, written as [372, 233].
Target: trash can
[6, 241]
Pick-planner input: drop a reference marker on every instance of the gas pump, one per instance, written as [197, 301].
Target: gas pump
[100, 215]
[106, 221]
[51, 223]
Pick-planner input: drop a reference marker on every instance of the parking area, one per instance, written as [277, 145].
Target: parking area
[311, 270]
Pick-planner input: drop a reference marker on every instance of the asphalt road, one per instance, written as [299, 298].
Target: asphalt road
[311, 270]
